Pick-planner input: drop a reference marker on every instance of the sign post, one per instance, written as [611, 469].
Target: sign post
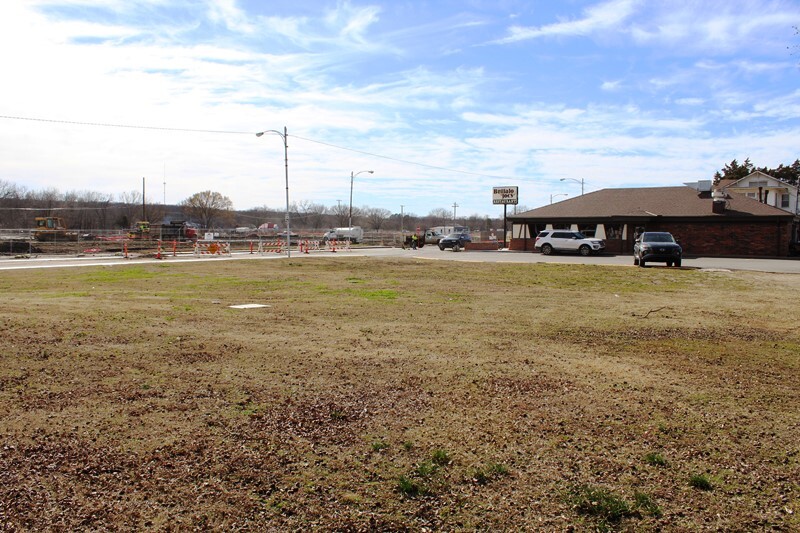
[505, 196]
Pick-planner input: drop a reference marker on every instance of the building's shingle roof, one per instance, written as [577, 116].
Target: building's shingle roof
[682, 202]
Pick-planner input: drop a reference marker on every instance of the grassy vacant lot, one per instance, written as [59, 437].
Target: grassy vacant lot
[398, 394]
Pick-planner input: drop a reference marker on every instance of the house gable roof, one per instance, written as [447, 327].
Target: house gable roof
[648, 202]
[744, 182]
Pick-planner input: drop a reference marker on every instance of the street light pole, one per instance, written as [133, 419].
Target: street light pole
[557, 195]
[576, 181]
[352, 177]
[284, 135]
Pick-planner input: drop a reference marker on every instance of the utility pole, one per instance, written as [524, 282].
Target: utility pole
[454, 213]
[401, 220]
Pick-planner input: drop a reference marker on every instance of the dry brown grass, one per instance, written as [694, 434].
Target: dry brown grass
[134, 398]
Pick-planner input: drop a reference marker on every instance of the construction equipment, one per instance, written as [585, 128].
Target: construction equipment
[176, 230]
[53, 229]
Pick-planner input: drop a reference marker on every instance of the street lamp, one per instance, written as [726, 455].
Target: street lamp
[286, 161]
[557, 195]
[576, 181]
[352, 177]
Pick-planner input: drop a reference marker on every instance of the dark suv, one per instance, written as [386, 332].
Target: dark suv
[456, 241]
[658, 246]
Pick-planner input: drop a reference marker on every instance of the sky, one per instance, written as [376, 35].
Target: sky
[443, 100]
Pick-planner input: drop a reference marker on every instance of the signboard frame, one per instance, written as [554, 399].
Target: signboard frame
[505, 195]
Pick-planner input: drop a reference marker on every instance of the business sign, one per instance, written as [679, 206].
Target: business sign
[505, 195]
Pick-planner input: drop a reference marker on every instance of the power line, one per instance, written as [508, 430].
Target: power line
[232, 132]
[59, 208]
[128, 126]
[405, 161]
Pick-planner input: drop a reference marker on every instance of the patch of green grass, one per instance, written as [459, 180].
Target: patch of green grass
[655, 459]
[119, 274]
[600, 503]
[410, 487]
[379, 446]
[426, 476]
[408, 445]
[375, 294]
[700, 481]
[426, 469]
[74, 294]
[441, 457]
[646, 504]
[489, 473]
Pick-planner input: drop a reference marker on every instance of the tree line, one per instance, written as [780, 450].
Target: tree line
[91, 211]
[736, 171]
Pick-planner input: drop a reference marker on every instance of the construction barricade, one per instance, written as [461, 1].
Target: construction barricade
[305, 246]
[212, 248]
[338, 246]
[270, 247]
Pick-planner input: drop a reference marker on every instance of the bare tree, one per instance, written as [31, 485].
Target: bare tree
[130, 209]
[12, 199]
[376, 216]
[312, 213]
[440, 217]
[341, 212]
[208, 207]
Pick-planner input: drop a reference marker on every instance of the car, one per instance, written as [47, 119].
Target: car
[549, 241]
[659, 246]
[456, 241]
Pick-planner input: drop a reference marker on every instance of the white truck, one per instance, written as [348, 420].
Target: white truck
[354, 234]
[430, 236]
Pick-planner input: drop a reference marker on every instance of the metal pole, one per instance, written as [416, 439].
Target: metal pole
[505, 225]
[350, 216]
[285, 136]
[353, 174]
[286, 160]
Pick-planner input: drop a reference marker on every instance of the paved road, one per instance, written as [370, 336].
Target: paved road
[789, 266]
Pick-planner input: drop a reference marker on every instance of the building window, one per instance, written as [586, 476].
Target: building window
[785, 200]
[751, 195]
[613, 231]
[758, 183]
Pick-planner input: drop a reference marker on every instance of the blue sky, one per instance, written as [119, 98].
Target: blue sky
[443, 100]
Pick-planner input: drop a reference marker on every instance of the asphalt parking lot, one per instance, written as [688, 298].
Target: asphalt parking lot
[786, 266]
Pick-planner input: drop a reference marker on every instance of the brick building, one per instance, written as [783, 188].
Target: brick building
[728, 224]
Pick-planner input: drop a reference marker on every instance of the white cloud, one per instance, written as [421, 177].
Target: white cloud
[601, 17]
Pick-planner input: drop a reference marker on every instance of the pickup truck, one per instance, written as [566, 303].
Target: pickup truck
[429, 237]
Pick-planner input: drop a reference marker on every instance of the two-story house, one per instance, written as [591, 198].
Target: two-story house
[766, 189]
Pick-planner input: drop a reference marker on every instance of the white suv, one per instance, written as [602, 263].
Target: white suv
[555, 240]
